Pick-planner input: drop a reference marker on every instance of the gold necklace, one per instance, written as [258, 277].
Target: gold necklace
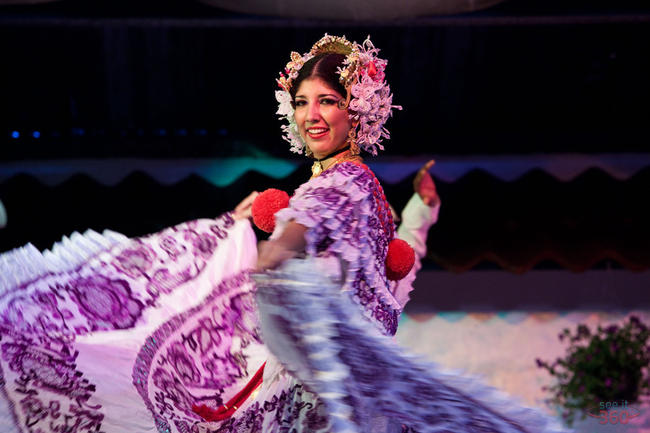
[317, 167]
[342, 157]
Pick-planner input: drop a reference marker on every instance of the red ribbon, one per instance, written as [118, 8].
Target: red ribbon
[228, 409]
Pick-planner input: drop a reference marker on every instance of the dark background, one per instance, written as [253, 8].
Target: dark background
[170, 78]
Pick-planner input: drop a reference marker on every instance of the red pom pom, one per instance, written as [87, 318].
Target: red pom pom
[266, 205]
[399, 260]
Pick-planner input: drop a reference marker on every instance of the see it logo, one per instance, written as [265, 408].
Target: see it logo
[613, 412]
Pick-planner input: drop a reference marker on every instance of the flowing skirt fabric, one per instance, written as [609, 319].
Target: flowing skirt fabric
[316, 331]
[109, 334]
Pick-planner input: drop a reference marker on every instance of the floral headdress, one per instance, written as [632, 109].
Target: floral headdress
[369, 100]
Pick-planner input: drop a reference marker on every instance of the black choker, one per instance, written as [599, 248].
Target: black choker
[336, 152]
[317, 168]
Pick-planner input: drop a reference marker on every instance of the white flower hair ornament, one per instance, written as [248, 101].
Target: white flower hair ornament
[368, 99]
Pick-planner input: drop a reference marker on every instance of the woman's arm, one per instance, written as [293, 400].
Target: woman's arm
[271, 254]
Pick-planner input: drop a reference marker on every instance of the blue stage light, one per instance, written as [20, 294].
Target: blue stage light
[36, 134]
[15, 134]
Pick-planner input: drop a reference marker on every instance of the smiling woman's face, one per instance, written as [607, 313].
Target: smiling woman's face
[321, 123]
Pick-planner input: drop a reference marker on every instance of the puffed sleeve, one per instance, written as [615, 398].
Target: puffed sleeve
[342, 217]
[417, 219]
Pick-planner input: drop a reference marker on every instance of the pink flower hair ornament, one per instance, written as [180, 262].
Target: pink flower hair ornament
[368, 99]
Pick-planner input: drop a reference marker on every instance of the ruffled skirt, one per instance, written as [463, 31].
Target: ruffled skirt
[360, 374]
[109, 334]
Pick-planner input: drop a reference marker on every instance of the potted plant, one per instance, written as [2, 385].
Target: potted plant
[609, 365]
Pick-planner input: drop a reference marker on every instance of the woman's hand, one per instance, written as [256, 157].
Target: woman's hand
[424, 186]
[243, 209]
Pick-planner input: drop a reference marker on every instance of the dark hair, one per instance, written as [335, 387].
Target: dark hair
[323, 66]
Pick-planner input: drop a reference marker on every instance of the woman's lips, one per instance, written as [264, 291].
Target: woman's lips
[317, 133]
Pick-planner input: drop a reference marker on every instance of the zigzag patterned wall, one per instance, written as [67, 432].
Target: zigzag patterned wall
[588, 216]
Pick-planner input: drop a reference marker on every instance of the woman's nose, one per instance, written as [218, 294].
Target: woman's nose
[313, 115]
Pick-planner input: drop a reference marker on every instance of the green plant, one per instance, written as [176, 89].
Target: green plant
[606, 366]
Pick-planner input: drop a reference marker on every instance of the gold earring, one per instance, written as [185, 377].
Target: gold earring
[352, 140]
[344, 104]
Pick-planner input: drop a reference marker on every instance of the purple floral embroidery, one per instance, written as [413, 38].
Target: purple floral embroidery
[316, 418]
[44, 370]
[174, 393]
[204, 337]
[41, 318]
[13, 313]
[283, 412]
[109, 304]
[221, 371]
[49, 376]
[204, 244]
[340, 209]
[387, 316]
[195, 349]
[219, 231]
[245, 321]
[135, 261]
[33, 409]
[173, 249]
[106, 295]
[164, 281]
[183, 364]
[55, 409]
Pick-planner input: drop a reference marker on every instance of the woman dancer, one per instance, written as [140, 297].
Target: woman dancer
[333, 216]
[326, 296]
[162, 333]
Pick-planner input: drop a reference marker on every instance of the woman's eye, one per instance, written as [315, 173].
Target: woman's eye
[328, 101]
[300, 103]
